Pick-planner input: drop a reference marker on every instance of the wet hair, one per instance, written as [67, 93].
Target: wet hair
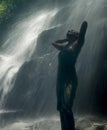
[72, 35]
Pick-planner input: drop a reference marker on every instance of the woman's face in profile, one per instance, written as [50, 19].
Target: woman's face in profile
[72, 35]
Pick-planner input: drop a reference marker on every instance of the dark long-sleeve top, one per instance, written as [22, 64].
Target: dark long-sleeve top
[76, 45]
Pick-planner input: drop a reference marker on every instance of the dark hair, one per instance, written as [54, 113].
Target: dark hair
[72, 35]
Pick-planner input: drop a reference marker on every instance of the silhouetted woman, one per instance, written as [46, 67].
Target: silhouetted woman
[67, 77]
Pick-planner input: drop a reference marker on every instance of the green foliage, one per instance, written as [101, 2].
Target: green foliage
[3, 8]
[6, 6]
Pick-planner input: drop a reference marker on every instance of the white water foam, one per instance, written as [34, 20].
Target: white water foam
[19, 47]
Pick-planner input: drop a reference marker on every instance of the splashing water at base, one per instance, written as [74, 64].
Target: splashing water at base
[19, 47]
[53, 123]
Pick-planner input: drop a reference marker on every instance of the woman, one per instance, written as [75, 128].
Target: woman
[67, 78]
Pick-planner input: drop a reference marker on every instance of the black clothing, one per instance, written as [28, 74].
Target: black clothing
[67, 79]
[66, 76]
[67, 120]
[66, 70]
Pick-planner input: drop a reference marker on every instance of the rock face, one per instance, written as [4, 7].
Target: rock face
[35, 85]
[34, 82]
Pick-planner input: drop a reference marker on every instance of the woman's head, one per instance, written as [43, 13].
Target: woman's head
[72, 35]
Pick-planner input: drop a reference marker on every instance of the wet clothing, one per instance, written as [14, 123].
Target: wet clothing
[66, 70]
[67, 120]
[67, 79]
[66, 83]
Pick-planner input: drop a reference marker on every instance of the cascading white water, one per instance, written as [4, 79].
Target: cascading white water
[21, 42]
[19, 47]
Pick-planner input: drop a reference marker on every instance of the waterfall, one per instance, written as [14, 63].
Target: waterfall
[19, 46]
[43, 26]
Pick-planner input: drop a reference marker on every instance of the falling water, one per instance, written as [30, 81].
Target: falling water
[19, 47]
[30, 33]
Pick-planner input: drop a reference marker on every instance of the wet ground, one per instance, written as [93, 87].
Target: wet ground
[53, 123]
